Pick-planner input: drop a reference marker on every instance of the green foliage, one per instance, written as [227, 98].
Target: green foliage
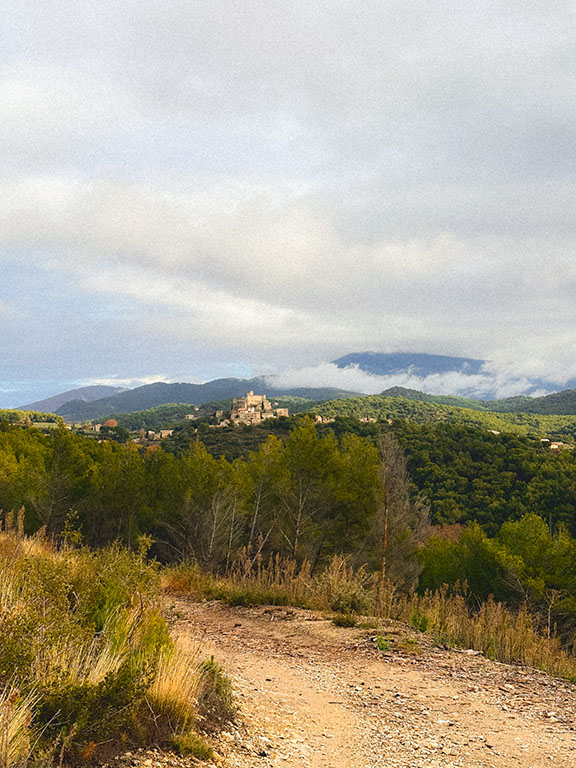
[419, 621]
[383, 643]
[344, 620]
[420, 412]
[191, 745]
[216, 703]
[81, 637]
[35, 419]
[524, 562]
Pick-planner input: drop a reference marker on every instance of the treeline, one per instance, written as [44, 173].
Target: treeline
[33, 417]
[308, 496]
[523, 564]
[463, 473]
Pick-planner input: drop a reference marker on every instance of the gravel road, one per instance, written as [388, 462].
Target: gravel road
[313, 695]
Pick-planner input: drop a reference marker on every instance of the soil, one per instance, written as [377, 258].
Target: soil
[313, 695]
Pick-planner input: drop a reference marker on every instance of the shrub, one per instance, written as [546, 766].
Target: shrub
[345, 620]
[84, 644]
[383, 644]
[191, 745]
[215, 697]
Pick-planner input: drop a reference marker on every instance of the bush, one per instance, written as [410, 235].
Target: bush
[383, 644]
[191, 745]
[215, 697]
[345, 620]
[88, 655]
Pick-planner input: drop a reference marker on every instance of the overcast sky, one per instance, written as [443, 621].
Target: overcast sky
[233, 187]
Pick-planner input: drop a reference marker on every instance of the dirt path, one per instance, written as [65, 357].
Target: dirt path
[316, 696]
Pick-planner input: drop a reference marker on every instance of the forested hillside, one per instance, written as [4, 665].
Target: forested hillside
[14, 416]
[558, 403]
[421, 411]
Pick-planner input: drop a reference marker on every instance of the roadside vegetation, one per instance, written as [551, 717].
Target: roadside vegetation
[451, 616]
[87, 666]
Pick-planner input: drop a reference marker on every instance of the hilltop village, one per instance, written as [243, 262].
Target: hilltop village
[251, 409]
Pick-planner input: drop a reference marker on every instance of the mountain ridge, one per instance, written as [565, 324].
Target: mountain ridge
[84, 394]
[160, 393]
[415, 363]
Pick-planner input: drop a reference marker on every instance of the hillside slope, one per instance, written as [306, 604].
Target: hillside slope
[421, 412]
[83, 394]
[558, 403]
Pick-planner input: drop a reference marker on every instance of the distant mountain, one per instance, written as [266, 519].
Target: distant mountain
[83, 394]
[384, 364]
[160, 393]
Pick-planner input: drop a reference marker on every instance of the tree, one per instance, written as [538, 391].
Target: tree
[402, 520]
[307, 480]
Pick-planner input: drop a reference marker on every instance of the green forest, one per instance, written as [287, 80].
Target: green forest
[519, 422]
[458, 504]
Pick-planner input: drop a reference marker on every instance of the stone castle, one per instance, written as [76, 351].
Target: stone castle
[253, 409]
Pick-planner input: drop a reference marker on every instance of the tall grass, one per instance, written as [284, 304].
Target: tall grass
[16, 735]
[512, 637]
[85, 655]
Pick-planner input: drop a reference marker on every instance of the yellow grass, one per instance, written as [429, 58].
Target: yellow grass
[16, 737]
[173, 694]
[502, 634]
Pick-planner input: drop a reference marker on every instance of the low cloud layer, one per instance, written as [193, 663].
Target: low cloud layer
[352, 378]
[234, 188]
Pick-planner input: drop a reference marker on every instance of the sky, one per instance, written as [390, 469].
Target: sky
[192, 189]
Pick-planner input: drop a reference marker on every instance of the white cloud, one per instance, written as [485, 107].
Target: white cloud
[354, 379]
[289, 182]
[113, 380]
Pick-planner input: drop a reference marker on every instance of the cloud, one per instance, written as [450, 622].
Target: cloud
[113, 380]
[252, 268]
[264, 184]
[353, 379]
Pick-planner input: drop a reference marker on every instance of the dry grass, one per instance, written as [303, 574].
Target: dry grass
[512, 637]
[172, 697]
[86, 658]
[77, 664]
[499, 633]
[16, 736]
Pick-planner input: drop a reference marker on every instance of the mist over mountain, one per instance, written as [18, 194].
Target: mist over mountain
[417, 364]
[420, 375]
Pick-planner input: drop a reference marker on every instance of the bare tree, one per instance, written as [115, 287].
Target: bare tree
[402, 519]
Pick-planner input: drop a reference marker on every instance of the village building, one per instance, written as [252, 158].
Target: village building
[558, 445]
[254, 409]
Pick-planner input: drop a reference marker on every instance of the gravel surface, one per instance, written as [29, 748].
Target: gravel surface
[313, 695]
